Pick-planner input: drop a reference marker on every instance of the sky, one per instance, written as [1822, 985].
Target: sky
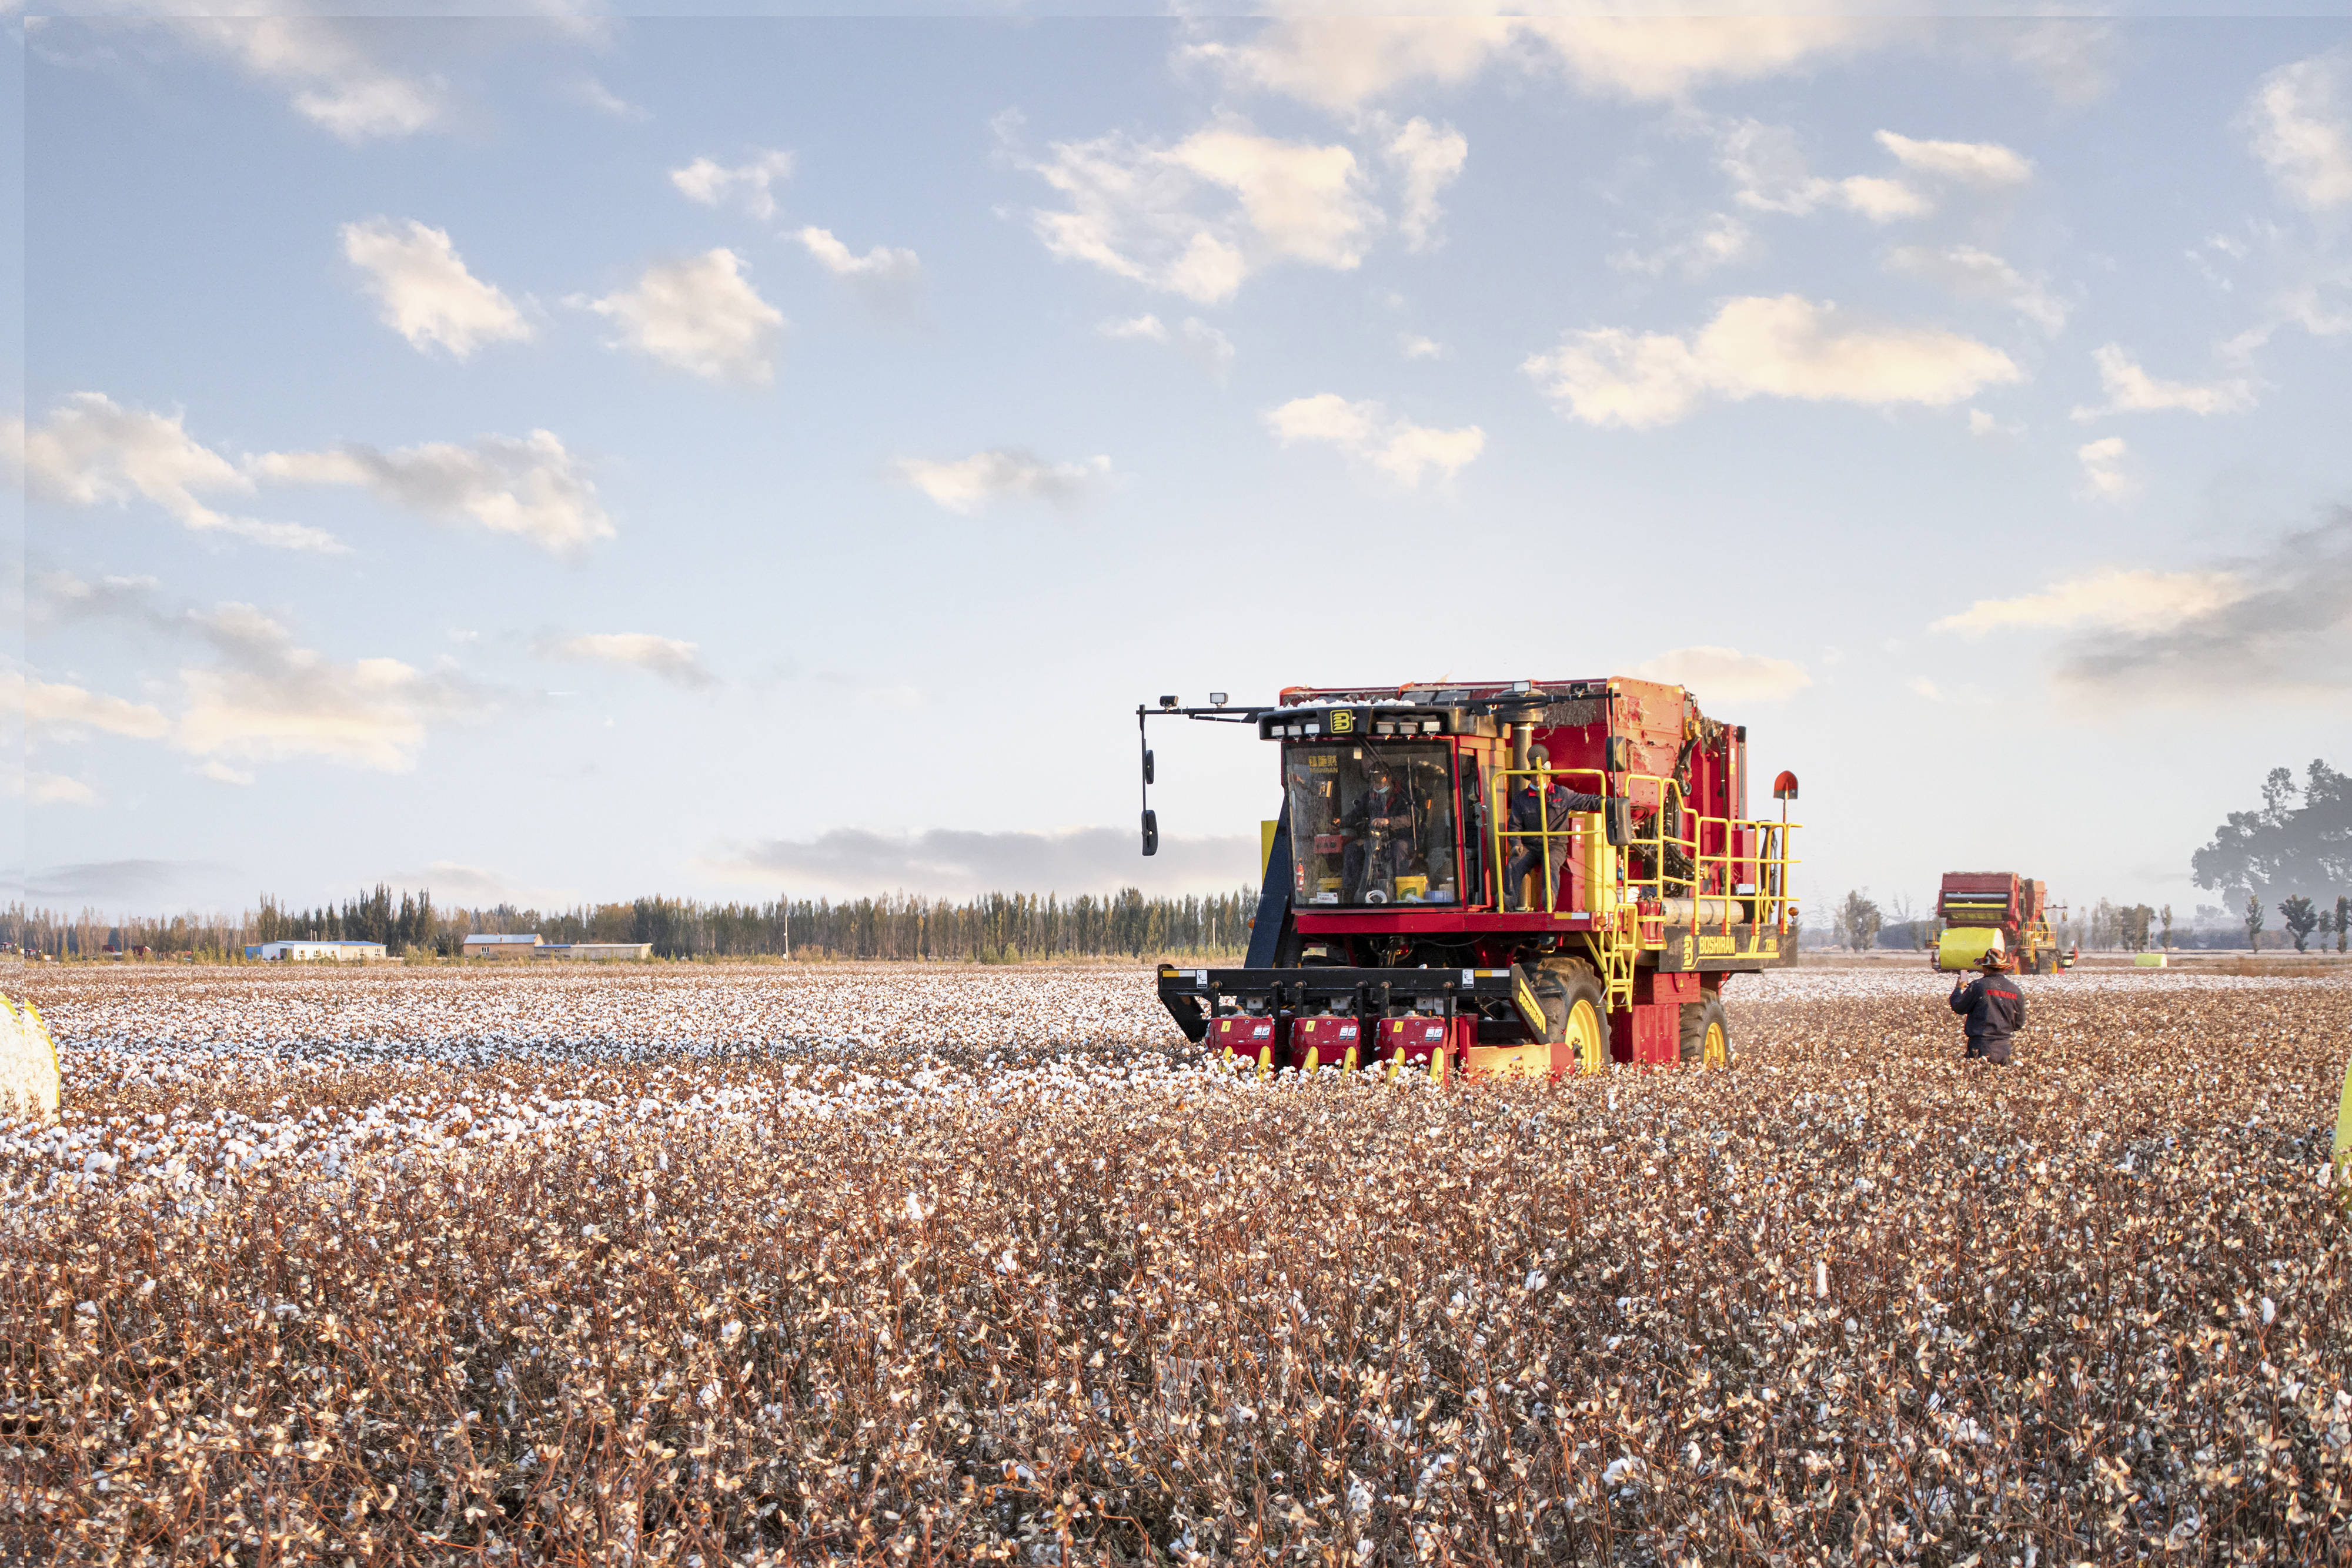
[571, 457]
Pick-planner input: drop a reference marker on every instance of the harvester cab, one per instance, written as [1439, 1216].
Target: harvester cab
[1507, 876]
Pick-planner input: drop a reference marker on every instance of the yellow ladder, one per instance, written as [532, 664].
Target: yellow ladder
[1615, 947]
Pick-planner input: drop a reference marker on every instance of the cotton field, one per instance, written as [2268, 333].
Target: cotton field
[903, 1265]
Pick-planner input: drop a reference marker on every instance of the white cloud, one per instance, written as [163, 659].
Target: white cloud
[331, 64]
[1772, 176]
[428, 294]
[1146, 327]
[1196, 338]
[948, 861]
[2073, 56]
[1921, 686]
[668, 658]
[454, 881]
[1978, 274]
[593, 92]
[1985, 165]
[1343, 62]
[64, 712]
[2301, 121]
[1366, 431]
[532, 488]
[1719, 241]
[2275, 625]
[1204, 343]
[2137, 601]
[884, 276]
[1427, 159]
[1986, 427]
[749, 184]
[2103, 469]
[57, 789]
[701, 315]
[1413, 346]
[837, 258]
[966, 484]
[38, 788]
[221, 773]
[1779, 347]
[1727, 674]
[270, 700]
[2131, 390]
[1199, 217]
[262, 697]
[93, 449]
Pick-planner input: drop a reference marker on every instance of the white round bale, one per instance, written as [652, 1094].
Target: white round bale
[28, 1064]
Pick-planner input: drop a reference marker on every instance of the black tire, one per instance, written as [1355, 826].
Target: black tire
[1560, 984]
[1697, 1019]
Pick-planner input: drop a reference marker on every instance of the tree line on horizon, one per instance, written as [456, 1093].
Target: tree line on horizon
[995, 927]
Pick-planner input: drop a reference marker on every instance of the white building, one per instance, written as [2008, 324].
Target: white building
[481, 944]
[352, 952]
[593, 952]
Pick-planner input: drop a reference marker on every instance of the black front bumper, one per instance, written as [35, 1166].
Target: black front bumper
[1192, 997]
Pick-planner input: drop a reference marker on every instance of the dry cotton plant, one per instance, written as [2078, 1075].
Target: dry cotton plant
[902, 1267]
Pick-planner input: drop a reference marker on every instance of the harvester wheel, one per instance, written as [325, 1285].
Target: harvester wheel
[1575, 1015]
[1706, 1034]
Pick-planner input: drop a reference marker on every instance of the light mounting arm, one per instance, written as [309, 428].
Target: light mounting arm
[1170, 708]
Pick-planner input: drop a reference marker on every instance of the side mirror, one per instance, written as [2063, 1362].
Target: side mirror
[1619, 814]
[1617, 754]
[1146, 768]
[1151, 833]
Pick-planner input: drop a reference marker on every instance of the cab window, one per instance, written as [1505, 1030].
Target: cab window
[1371, 824]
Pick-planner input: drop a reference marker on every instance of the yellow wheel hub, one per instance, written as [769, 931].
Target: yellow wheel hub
[1585, 1038]
[1717, 1053]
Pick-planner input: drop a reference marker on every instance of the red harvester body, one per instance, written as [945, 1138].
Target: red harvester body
[1386, 907]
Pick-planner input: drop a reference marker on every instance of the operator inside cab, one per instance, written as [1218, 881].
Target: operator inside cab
[1382, 833]
[1371, 824]
[1538, 803]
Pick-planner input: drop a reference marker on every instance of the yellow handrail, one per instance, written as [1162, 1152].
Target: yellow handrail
[1769, 902]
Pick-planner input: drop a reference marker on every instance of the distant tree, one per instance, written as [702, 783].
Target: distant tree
[2253, 922]
[2302, 918]
[2343, 919]
[2132, 927]
[2284, 844]
[1859, 919]
[2166, 913]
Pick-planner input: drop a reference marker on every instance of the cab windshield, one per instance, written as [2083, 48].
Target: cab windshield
[1371, 824]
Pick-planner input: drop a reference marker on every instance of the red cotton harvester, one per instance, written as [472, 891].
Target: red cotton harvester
[1386, 933]
[1997, 911]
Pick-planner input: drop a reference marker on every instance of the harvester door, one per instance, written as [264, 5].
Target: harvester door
[1474, 827]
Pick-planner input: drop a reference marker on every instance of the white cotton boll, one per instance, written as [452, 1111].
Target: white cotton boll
[2270, 1312]
[1821, 1280]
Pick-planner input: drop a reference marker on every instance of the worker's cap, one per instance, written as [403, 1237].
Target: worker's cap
[1993, 959]
[1538, 754]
